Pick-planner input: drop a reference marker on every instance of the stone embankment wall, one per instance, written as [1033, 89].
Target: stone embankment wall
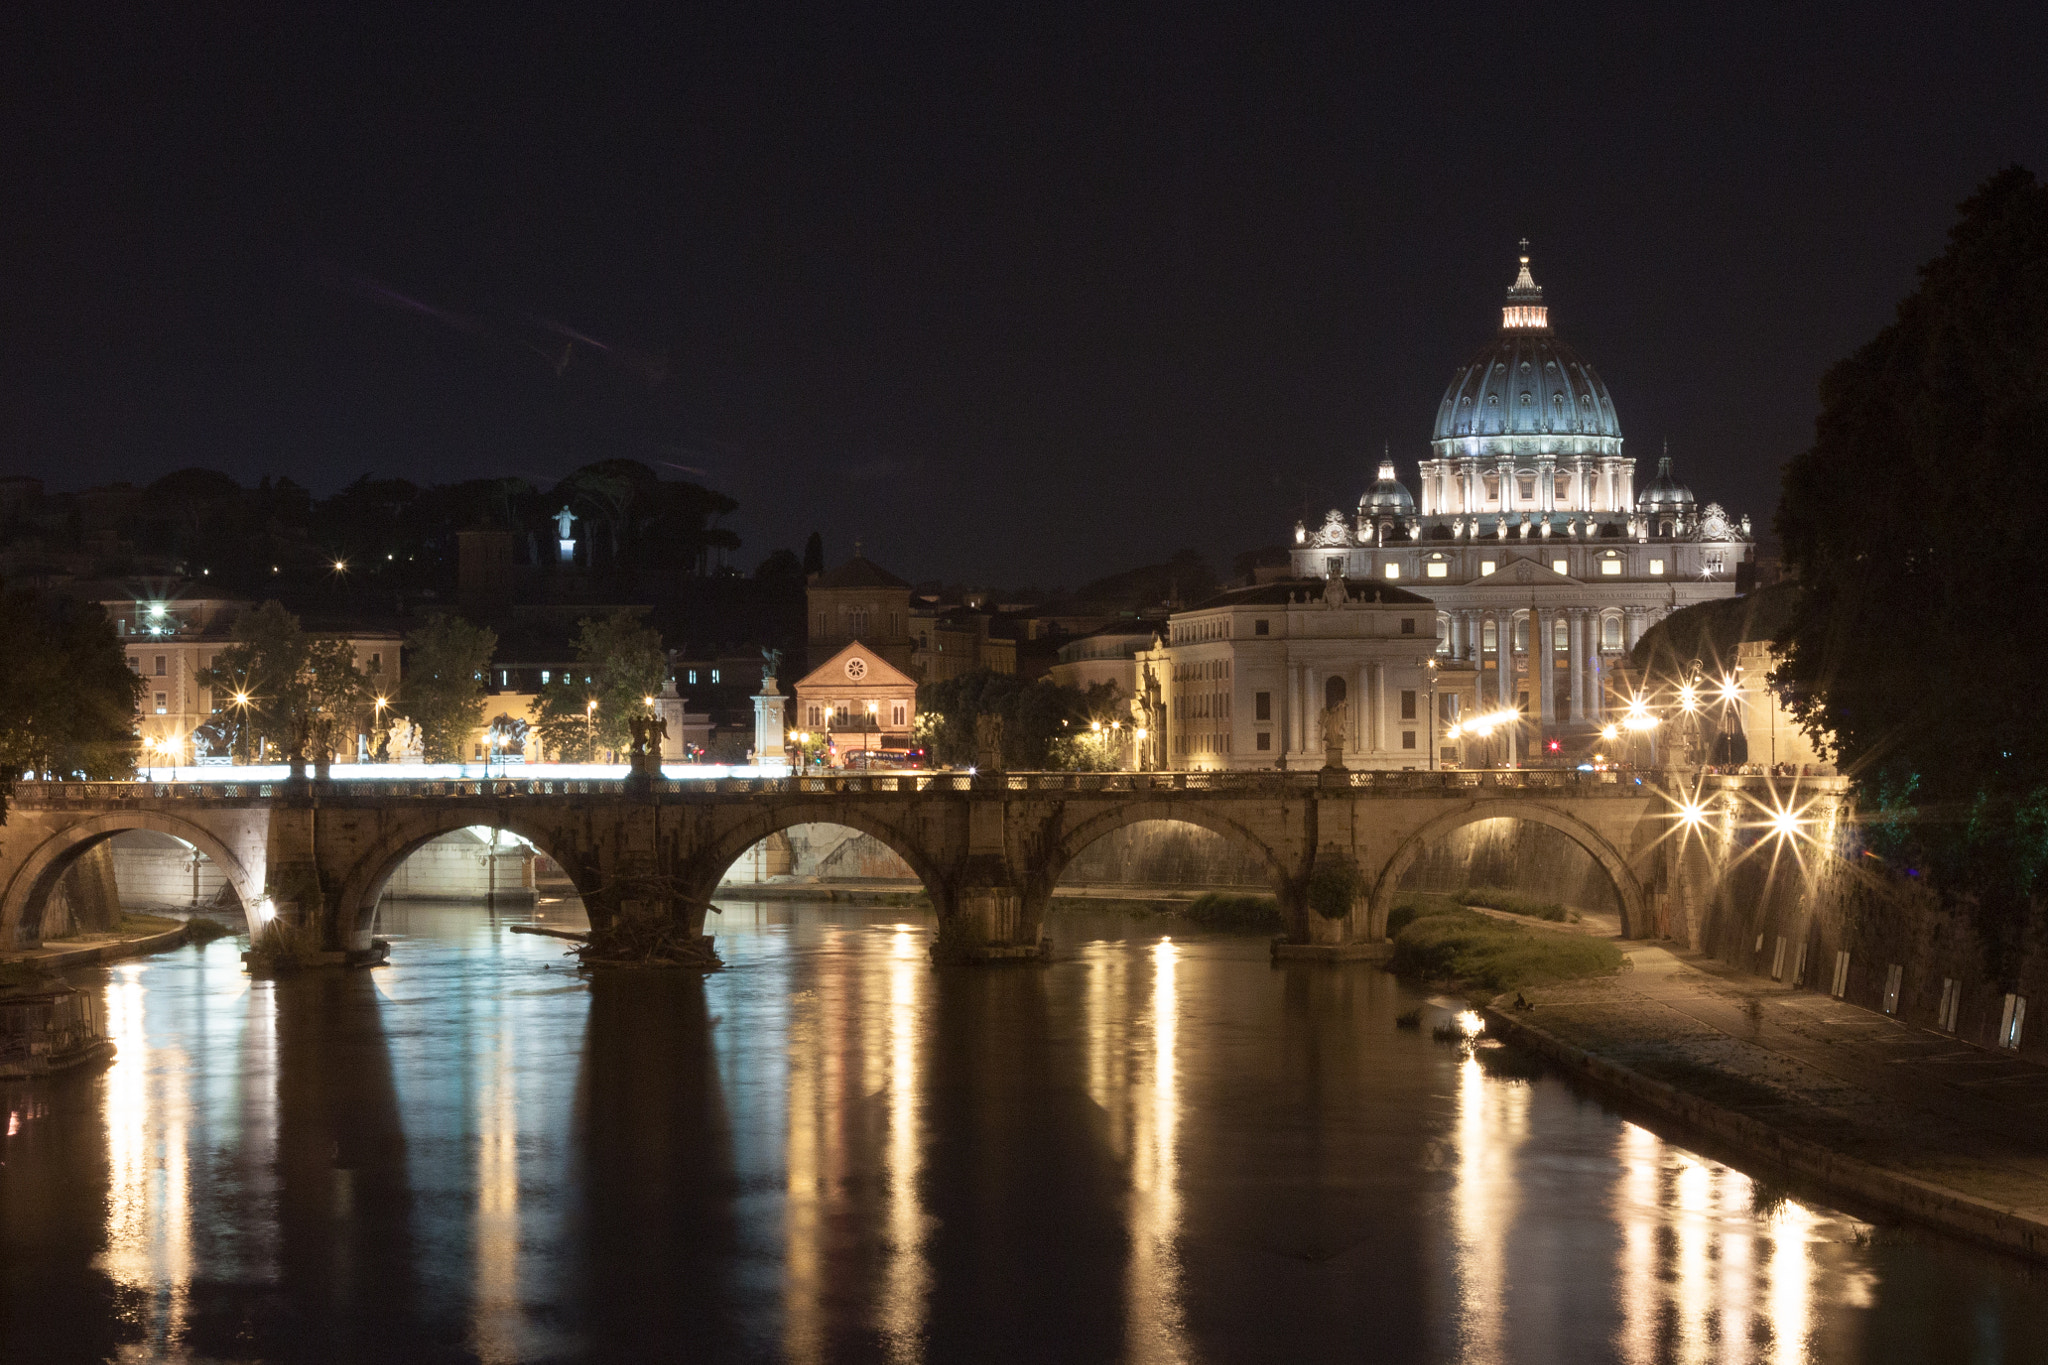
[1517, 855]
[88, 898]
[1816, 909]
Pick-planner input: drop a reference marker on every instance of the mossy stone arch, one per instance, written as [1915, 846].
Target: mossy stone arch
[1628, 887]
[21, 910]
[709, 863]
[1068, 842]
[362, 886]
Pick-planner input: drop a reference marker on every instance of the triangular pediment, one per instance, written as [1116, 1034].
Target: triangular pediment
[857, 666]
[1530, 572]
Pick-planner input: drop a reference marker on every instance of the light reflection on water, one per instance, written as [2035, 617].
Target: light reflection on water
[1161, 1148]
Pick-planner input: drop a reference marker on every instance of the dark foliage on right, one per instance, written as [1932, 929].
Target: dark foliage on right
[1917, 528]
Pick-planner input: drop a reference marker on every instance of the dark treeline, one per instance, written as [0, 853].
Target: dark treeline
[636, 533]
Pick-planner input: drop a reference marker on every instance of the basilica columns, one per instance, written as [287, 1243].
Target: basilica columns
[1577, 663]
[1543, 667]
[1504, 636]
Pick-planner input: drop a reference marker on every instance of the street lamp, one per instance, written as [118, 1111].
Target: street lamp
[590, 727]
[242, 703]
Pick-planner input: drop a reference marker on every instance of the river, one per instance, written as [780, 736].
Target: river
[1159, 1148]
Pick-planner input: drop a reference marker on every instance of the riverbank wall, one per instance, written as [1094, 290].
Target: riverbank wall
[1883, 1190]
[1805, 903]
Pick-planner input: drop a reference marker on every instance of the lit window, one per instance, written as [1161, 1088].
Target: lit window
[160, 700]
[2013, 1021]
[1439, 569]
[1563, 566]
[1610, 633]
[1656, 567]
[714, 675]
[693, 677]
[1393, 570]
[1611, 567]
[1487, 566]
[544, 677]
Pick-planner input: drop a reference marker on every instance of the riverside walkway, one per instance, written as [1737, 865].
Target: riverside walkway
[1911, 1121]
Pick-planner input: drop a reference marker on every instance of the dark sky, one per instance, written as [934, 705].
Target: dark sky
[1017, 293]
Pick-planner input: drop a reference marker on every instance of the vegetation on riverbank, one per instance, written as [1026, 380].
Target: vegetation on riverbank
[1233, 910]
[1513, 902]
[1437, 939]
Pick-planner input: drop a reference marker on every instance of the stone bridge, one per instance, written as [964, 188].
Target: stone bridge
[990, 849]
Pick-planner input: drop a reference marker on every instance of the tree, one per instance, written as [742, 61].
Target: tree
[814, 555]
[1912, 526]
[1042, 720]
[67, 696]
[445, 665]
[296, 684]
[620, 663]
[781, 567]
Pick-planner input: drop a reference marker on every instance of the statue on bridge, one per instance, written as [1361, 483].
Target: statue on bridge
[1334, 721]
[771, 665]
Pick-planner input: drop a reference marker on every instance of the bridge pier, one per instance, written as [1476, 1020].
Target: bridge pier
[990, 921]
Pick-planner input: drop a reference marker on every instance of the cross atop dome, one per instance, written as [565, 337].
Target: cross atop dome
[1524, 310]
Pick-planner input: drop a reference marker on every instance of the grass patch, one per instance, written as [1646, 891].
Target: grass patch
[1233, 910]
[1515, 903]
[1410, 906]
[1137, 907]
[1409, 1018]
[1455, 944]
[145, 924]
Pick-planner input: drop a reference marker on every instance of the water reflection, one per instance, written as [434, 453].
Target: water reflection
[1492, 1121]
[1159, 1148]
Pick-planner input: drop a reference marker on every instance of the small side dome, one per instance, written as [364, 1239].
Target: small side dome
[1388, 494]
[1665, 493]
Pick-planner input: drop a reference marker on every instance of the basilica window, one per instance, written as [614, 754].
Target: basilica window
[1262, 706]
[1522, 635]
[1560, 634]
[1610, 633]
[1260, 628]
[1487, 566]
[1488, 636]
[1393, 570]
[1611, 567]
[1564, 490]
[1525, 487]
[1562, 566]
[1493, 488]
[1438, 569]
[1656, 568]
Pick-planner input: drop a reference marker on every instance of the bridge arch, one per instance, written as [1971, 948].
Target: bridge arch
[713, 859]
[1628, 887]
[362, 887]
[21, 908]
[1123, 814]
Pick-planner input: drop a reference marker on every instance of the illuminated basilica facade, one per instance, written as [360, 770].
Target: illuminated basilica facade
[1542, 559]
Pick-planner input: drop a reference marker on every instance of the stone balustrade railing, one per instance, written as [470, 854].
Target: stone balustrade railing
[1474, 782]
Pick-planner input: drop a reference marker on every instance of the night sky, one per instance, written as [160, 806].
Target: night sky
[1018, 294]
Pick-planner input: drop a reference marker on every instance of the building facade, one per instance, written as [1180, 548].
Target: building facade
[170, 641]
[863, 601]
[854, 701]
[1532, 564]
[1272, 676]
